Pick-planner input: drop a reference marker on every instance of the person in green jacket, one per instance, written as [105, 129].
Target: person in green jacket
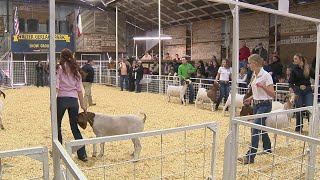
[185, 71]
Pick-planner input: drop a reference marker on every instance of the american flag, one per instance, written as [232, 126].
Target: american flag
[79, 24]
[16, 23]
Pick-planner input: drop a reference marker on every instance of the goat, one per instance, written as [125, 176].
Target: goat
[238, 101]
[281, 121]
[178, 91]
[1, 109]
[208, 95]
[109, 125]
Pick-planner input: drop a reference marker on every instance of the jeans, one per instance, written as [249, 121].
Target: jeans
[191, 92]
[87, 93]
[224, 91]
[39, 79]
[70, 104]
[305, 97]
[138, 85]
[243, 63]
[260, 108]
[125, 78]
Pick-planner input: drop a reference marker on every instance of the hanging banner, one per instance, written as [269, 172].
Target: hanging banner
[28, 43]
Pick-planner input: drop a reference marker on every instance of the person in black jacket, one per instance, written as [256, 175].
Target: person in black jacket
[276, 68]
[299, 83]
[87, 82]
[39, 69]
[131, 76]
[138, 75]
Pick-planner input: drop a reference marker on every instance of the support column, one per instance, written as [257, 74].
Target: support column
[235, 62]
[159, 56]
[53, 102]
[117, 50]
[315, 116]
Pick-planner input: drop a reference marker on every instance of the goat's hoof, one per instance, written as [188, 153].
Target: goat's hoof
[132, 154]
[94, 155]
[2, 127]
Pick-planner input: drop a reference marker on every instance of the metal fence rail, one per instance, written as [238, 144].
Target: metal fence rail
[36, 153]
[291, 160]
[72, 146]
[71, 166]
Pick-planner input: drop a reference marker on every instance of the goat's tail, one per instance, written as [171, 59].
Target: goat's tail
[144, 116]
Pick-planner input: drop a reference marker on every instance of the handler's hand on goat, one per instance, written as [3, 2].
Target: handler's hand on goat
[84, 107]
[247, 101]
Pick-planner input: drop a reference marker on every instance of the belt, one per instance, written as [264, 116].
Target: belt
[225, 82]
[262, 101]
[303, 87]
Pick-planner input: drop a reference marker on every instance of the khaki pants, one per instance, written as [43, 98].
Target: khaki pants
[87, 93]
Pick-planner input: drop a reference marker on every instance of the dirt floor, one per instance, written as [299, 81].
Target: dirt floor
[27, 123]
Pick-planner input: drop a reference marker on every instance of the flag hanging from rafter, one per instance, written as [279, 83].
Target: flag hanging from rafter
[79, 24]
[16, 22]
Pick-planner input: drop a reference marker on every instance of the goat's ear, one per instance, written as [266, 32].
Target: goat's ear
[90, 116]
[82, 120]
[286, 98]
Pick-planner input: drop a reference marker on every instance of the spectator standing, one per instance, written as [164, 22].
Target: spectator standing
[146, 56]
[69, 91]
[243, 77]
[262, 52]
[262, 96]
[167, 57]
[177, 58]
[155, 68]
[276, 68]
[184, 72]
[299, 83]
[131, 77]
[138, 75]
[124, 68]
[175, 66]
[87, 82]
[213, 68]
[201, 68]
[224, 76]
[39, 69]
[244, 53]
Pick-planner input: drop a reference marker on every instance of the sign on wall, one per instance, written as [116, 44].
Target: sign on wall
[1, 25]
[26, 43]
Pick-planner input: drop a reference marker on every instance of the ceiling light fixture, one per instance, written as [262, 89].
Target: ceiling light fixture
[152, 38]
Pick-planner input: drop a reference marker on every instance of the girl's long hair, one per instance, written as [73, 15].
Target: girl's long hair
[67, 58]
[306, 66]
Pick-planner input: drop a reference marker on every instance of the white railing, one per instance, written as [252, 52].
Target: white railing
[72, 146]
[280, 164]
[71, 166]
[36, 153]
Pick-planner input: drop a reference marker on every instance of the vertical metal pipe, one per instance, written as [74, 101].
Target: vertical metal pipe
[8, 19]
[137, 52]
[25, 69]
[53, 102]
[159, 21]
[275, 33]
[117, 50]
[11, 68]
[235, 63]
[315, 115]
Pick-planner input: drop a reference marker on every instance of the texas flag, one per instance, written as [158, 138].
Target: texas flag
[79, 24]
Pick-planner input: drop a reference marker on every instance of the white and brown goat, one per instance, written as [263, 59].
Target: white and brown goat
[208, 95]
[110, 125]
[281, 121]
